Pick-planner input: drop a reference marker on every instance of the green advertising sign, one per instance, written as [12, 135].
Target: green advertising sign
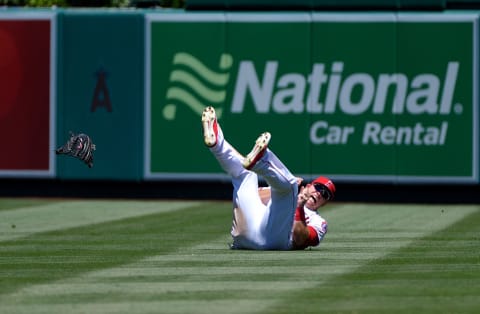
[371, 97]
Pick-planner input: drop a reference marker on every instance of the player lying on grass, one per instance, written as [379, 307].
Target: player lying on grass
[279, 217]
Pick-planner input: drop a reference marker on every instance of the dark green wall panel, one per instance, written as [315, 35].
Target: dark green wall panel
[101, 88]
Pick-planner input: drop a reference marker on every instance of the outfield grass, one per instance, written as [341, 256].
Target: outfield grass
[119, 256]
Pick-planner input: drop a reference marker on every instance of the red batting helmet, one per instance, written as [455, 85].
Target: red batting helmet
[326, 182]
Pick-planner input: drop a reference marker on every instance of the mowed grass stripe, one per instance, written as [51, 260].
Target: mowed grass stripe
[23, 221]
[51, 256]
[437, 273]
[151, 306]
[7, 203]
[172, 281]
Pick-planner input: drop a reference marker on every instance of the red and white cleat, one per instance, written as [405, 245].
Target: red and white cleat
[258, 151]
[210, 126]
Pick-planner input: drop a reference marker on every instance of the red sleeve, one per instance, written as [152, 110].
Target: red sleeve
[300, 214]
[312, 237]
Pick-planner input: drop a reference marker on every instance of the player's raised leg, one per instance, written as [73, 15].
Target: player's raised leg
[261, 145]
[228, 157]
[284, 190]
[211, 129]
[265, 163]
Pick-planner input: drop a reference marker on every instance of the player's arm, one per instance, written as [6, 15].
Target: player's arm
[302, 234]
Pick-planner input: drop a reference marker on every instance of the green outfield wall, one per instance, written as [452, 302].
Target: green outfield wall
[101, 91]
[358, 96]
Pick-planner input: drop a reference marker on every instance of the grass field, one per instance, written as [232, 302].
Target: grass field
[125, 256]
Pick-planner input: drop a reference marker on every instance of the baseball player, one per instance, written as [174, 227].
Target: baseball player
[278, 217]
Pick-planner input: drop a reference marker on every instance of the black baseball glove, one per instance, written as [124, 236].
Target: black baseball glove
[79, 146]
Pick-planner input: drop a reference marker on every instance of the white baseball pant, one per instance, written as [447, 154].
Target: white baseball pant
[255, 225]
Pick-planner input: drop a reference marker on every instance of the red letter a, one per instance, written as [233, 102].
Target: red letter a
[101, 97]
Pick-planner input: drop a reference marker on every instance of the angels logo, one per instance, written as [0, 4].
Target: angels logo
[324, 227]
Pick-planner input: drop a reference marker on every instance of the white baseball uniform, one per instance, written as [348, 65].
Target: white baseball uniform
[316, 224]
[255, 225]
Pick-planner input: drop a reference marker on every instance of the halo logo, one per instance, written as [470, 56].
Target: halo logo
[193, 84]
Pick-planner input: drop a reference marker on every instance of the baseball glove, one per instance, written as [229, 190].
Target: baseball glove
[79, 146]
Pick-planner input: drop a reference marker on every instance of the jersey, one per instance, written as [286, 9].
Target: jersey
[316, 224]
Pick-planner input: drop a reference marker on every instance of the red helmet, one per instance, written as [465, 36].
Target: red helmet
[327, 183]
